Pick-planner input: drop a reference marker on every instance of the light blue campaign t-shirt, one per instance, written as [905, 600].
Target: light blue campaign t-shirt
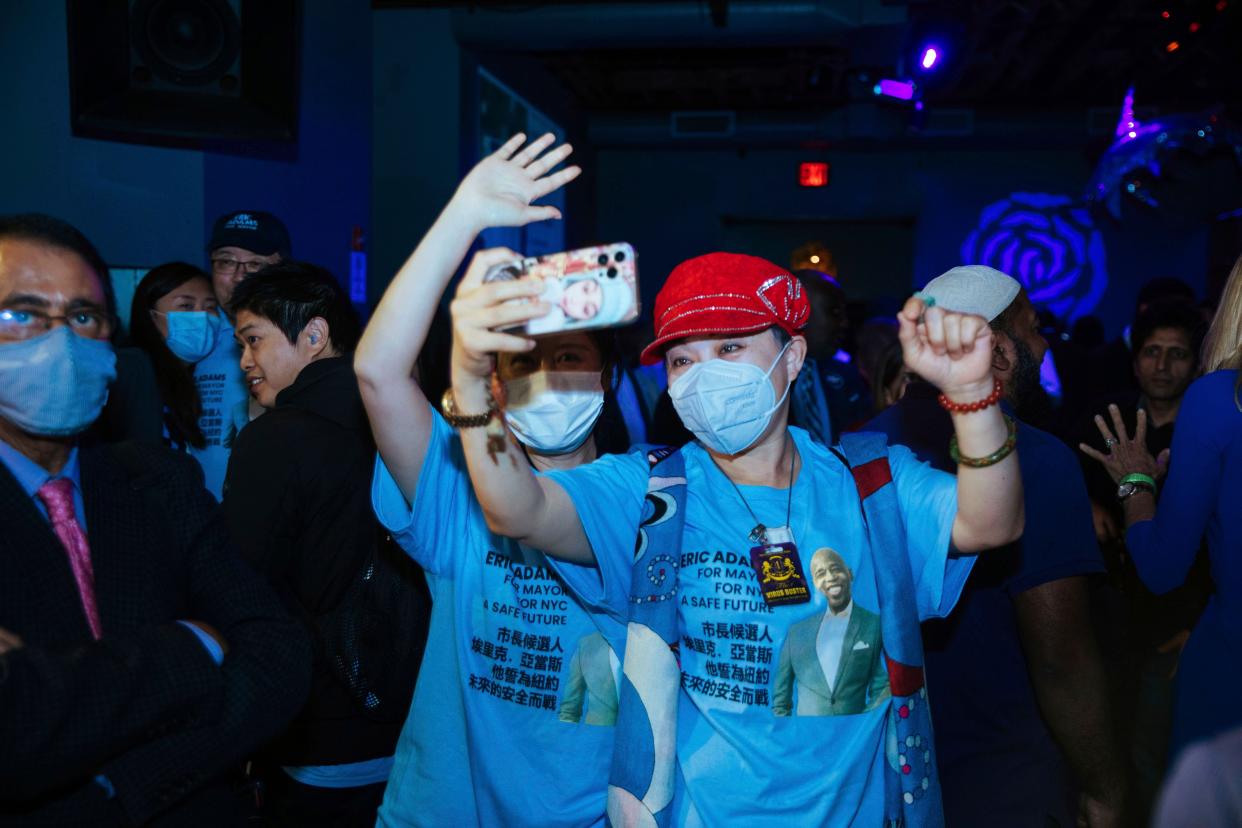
[512, 718]
[226, 407]
[782, 714]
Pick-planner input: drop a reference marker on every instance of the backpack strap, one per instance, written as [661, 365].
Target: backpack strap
[644, 765]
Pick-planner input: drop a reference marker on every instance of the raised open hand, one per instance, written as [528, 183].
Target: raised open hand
[499, 190]
[952, 351]
[1124, 454]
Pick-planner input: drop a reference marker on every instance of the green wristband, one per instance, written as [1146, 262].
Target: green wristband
[1141, 480]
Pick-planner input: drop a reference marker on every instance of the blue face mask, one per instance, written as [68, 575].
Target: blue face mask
[55, 385]
[192, 334]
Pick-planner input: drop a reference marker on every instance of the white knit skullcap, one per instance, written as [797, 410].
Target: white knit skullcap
[973, 289]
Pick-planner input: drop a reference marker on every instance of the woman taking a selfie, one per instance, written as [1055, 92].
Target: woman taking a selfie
[512, 719]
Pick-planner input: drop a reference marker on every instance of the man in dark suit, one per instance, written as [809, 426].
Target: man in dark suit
[835, 658]
[142, 659]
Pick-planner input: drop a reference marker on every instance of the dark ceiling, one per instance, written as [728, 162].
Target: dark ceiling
[1029, 54]
[1059, 52]
[703, 79]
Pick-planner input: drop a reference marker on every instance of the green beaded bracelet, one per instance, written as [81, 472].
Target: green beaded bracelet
[992, 459]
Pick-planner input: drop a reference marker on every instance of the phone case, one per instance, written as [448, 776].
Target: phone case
[588, 289]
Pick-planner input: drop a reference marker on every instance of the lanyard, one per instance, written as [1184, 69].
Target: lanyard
[759, 534]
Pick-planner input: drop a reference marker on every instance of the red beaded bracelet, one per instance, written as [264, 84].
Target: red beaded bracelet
[978, 405]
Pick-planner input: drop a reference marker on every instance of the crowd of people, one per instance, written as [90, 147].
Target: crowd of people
[272, 566]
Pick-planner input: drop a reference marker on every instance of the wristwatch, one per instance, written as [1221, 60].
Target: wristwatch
[449, 408]
[1129, 488]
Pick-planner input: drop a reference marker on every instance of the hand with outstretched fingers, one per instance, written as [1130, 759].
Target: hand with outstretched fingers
[499, 191]
[1123, 454]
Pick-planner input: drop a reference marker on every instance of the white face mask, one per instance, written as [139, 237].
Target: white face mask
[553, 412]
[727, 404]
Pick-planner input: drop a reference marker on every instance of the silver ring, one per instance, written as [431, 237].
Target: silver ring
[1109, 442]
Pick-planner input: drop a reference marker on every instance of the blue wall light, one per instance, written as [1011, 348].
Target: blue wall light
[1049, 244]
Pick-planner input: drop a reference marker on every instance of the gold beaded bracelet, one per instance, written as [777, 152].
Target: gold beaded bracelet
[992, 459]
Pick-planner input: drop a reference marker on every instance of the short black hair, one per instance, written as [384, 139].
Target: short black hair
[782, 335]
[605, 340]
[290, 294]
[53, 232]
[1169, 313]
[1162, 287]
[1006, 321]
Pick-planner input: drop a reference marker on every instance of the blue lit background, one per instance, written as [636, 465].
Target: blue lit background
[1049, 244]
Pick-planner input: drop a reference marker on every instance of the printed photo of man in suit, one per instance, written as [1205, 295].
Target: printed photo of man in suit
[836, 659]
[594, 674]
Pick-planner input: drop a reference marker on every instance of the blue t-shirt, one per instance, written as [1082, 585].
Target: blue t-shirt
[512, 718]
[226, 408]
[765, 735]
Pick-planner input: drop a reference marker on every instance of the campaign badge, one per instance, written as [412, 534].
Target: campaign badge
[779, 572]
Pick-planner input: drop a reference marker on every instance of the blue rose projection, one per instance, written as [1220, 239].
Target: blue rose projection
[1049, 244]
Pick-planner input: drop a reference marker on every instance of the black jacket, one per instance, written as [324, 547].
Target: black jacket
[144, 706]
[297, 499]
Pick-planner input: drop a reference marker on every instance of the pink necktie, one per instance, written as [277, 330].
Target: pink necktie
[57, 496]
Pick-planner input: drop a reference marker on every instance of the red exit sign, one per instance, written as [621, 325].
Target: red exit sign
[813, 173]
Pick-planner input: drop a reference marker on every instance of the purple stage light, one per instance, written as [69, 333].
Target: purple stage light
[902, 90]
[1128, 126]
[931, 54]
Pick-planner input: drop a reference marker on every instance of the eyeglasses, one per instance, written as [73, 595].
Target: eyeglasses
[224, 265]
[27, 323]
